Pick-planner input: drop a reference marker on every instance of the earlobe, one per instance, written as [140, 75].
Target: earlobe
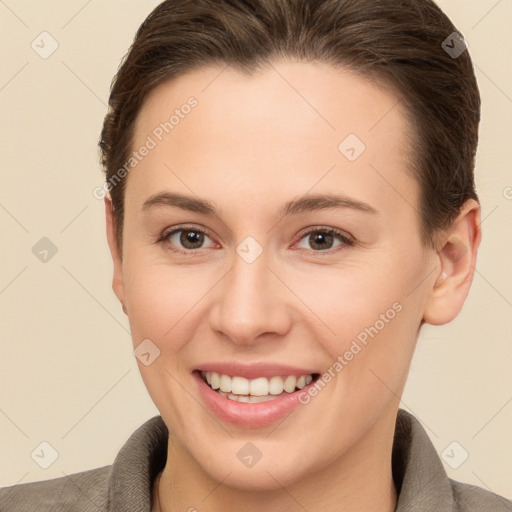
[457, 259]
[118, 277]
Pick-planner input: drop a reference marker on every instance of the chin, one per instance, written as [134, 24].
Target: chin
[269, 473]
[267, 477]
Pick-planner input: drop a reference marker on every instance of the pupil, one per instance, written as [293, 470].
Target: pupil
[321, 237]
[191, 237]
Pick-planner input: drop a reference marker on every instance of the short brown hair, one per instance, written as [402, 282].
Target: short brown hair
[396, 41]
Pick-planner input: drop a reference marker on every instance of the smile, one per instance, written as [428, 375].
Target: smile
[252, 402]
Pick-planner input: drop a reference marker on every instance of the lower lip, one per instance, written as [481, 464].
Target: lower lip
[246, 414]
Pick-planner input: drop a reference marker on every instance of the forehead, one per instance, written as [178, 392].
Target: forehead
[282, 130]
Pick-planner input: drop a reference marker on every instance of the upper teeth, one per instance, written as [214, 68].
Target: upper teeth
[256, 387]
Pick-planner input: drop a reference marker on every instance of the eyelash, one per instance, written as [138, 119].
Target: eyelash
[347, 241]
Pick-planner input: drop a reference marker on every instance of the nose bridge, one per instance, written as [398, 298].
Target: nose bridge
[248, 302]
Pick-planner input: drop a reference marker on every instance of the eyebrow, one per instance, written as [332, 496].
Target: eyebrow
[302, 204]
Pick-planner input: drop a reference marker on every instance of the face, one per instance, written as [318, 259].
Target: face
[339, 278]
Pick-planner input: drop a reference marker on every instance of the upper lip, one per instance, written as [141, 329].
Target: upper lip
[254, 370]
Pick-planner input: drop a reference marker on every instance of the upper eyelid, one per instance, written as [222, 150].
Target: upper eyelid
[335, 231]
[166, 234]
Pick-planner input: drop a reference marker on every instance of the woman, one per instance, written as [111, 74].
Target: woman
[289, 198]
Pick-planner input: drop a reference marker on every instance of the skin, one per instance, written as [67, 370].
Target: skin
[252, 144]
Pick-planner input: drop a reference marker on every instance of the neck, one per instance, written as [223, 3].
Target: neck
[359, 480]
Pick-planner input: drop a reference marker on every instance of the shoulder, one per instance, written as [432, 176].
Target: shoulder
[86, 491]
[469, 498]
[423, 481]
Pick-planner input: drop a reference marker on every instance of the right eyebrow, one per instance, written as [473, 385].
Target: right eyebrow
[184, 202]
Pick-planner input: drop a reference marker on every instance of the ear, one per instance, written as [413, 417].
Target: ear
[457, 258]
[118, 278]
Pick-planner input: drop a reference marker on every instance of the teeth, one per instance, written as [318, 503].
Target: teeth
[247, 398]
[275, 385]
[240, 388]
[214, 380]
[290, 383]
[258, 387]
[225, 383]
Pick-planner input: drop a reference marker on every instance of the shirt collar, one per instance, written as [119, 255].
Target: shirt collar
[420, 478]
[418, 473]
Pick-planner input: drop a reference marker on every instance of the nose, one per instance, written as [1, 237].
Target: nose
[250, 302]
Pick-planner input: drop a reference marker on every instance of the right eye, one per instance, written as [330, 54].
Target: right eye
[187, 239]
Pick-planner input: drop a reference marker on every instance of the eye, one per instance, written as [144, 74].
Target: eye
[322, 239]
[188, 238]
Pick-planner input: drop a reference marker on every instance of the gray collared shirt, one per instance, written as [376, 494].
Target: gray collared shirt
[126, 485]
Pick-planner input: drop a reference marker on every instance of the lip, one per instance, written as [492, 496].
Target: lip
[255, 370]
[249, 415]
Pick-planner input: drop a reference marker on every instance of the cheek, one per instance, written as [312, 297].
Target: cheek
[351, 296]
[163, 305]
[365, 315]
[162, 298]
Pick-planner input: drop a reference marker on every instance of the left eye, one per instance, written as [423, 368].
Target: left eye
[322, 239]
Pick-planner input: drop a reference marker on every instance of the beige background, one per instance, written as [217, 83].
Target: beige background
[68, 375]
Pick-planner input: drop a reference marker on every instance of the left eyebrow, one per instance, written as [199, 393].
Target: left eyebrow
[322, 202]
